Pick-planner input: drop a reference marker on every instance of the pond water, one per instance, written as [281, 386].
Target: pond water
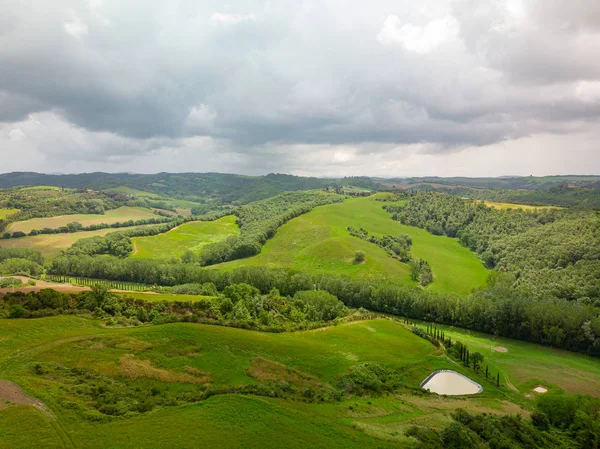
[450, 383]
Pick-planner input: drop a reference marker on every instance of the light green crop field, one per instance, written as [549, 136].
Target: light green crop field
[226, 356]
[33, 188]
[52, 244]
[109, 217]
[136, 192]
[496, 205]
[185, 206]
[319, 242]
[157, 297]
[187, 237]
[4, 213]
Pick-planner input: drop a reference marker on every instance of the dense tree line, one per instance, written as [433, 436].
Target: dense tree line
[547, 252]
[505, 182]
[78, 227]
[20, 261]
[561, 195]
[500, 309]
[558, 421]
[54, 203]
[397, 247]
[238, 305]
[258, 222]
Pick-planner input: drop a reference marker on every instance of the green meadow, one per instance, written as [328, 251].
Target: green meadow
[109, 217]
[228, 358]
[319, 242]
[130, 191]
[50, 245]
[187, 237]
[184, 205]
[527, 365]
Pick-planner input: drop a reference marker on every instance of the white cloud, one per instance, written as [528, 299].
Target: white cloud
[588, 91]
[96, 8]
[201, 119]
[231, 19]
[320, 87]
[419, 39]
[74, 25]
[16, 134]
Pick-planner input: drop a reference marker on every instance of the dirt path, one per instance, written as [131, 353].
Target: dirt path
[13, 393]
[508, 383]
[40, 285]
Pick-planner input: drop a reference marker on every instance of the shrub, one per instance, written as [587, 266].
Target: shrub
[16, 311]
[359, 256]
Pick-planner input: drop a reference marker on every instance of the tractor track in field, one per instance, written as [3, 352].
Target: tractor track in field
[14, 394]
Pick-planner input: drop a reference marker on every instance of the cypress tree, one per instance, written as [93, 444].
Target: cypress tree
[498, 379]
[486, 371]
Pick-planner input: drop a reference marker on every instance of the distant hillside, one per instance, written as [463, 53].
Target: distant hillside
[563, 191]
[505, 182]
[226, 188]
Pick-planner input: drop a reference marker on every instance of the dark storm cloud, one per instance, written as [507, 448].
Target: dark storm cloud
[133, 78]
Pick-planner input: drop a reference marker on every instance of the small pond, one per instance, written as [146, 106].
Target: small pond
[450, 383]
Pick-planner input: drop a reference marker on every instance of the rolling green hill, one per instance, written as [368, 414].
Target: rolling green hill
[66, 361]
[187, 237]
[319, 242]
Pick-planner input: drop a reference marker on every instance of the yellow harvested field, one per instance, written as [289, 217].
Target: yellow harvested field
[52, 244]
[109, 217]
[497, 205]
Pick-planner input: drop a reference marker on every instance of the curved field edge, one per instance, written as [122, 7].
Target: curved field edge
[319, 242]
[526, 365]
[121, 214]
[50, 245]
[190, 236]
[503, 206]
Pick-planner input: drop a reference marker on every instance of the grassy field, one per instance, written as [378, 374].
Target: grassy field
[109, 217]
[34, 188]
[527, 365]
[52, 244]
[129, 191]
[183, 207]
[229, 357]
[319, 242]
[496, 205]
[4, 213]
[187, 237]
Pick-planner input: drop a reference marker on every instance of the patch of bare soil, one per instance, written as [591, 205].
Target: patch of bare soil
[40, 285]
[134, 368]
[268, 370]
[12, 393]
[500, 349]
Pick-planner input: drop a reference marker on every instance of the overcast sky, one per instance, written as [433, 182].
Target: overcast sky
[331, 87]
